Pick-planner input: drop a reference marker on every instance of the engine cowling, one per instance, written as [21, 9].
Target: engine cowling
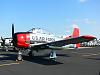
[22, 40]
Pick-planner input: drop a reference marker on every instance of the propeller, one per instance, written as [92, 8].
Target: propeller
[3, 41]
[12, 30]
[2, 38]
[13, 35]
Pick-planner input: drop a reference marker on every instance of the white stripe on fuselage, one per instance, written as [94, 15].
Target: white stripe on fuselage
[43, 37]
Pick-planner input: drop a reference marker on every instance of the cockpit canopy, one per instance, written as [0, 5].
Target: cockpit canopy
[39, 30]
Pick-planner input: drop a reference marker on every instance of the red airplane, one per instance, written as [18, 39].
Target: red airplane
[37, 39]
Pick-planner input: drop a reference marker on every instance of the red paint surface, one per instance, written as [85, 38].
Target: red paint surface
[23, 40]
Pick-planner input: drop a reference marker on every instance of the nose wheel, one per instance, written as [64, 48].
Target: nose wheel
[19, 56]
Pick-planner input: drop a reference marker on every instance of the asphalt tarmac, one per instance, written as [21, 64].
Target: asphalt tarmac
[83, 61]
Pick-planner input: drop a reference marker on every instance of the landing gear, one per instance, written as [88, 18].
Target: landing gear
[19, 56]
[33, 53]
[53, 55]
[30, 54]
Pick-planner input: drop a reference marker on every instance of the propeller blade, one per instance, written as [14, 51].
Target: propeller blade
[2, 38]
[12, 30]
[13, 34]
[3, 41]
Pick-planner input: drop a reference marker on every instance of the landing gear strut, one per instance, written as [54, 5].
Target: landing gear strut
[30, 54]
[53, 55]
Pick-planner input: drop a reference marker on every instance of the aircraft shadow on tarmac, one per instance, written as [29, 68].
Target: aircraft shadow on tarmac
[5, 57]
[44, 59]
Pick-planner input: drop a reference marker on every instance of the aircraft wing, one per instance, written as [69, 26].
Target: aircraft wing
[64, 42]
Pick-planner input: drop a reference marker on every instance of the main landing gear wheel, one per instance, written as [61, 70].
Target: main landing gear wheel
[53, 55]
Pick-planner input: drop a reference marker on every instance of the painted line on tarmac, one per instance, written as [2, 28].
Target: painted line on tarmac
[9, 64]
[92, 54]
[85, 47]
[80, 53]
[2, 56]
[86, 54]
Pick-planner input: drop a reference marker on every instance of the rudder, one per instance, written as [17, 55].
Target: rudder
[76, 33]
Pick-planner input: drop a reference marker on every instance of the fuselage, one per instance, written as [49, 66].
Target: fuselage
[36, 37]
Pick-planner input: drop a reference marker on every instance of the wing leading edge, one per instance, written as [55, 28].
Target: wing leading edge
[64, 42]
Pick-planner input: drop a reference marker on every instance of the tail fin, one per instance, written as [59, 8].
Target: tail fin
[76, 33]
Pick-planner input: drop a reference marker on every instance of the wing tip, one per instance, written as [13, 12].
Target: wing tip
[89, 37]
